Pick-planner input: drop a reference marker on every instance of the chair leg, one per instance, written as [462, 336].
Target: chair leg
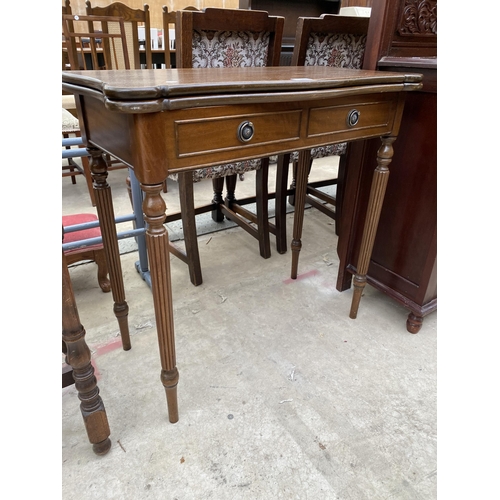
[340, 191]
[280, 201]
[186, 196]
[230, 189]
[291, 198]
[70, 165]
[218, 186]
[88, 178]
[262, 205]
[102, 271]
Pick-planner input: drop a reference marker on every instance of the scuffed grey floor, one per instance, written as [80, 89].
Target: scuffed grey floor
[281, 395]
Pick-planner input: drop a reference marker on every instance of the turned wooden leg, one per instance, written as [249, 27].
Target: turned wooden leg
[377, 193]
[230, 189]
[105, 212]
[186, 198]
[300, 201]
[159, 258]
[78, 357]
[218, 187]
[280, 201]
[414, 323]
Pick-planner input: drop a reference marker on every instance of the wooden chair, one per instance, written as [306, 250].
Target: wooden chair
[79, 369]
[71, 128]
[70, 124]
[169, 19]
[102, 45]
[117, 26]
[132, 19]
[330, 40]
[226, 32]
[99, 47]
[94, 253]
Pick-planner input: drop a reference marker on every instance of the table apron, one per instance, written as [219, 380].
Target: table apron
[186, 139]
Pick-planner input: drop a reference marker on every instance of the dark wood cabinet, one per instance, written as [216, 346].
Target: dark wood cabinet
[402, 37]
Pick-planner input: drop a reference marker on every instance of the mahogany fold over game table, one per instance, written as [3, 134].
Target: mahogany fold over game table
[164, 121]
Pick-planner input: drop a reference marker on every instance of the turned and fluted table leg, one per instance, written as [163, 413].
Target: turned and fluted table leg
[159, 259]
[105, 212]
[78, 357]
[375, 202]
[300, 201]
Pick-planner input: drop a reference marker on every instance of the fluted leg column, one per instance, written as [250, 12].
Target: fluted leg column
[159, 258]
[300, 201]
[377, 193]
[105, 212]
[78, 357]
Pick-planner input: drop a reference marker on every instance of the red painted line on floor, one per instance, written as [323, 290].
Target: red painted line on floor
[104, 349]
[310, 273]
[97, 373]
[110, 346]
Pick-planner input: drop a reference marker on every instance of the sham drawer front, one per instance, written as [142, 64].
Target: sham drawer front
[201, 136]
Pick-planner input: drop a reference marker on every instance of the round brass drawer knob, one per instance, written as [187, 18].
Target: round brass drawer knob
[353, 118]
[245, 131]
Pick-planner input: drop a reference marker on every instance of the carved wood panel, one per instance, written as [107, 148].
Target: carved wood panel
[418, 18]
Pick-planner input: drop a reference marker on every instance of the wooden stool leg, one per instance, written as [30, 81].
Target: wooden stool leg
[377, 193]
[106, 214]
[157, 241]
[300, 201]
[78, 357]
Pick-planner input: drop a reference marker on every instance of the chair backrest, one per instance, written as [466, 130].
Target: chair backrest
[330, 40]
[169, 18]
[132, 19]
[66, 10]
[106, 50]
[227, 38]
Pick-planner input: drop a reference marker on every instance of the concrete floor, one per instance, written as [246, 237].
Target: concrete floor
[281, 395]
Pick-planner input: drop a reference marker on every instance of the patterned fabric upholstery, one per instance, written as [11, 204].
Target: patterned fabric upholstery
[70, 124]
[322, 151]
[228, 49]
[222, 170]
[340, 50]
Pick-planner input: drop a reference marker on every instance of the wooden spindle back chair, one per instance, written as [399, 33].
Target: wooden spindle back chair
[97, 47]
[169, 19]
[132, 20]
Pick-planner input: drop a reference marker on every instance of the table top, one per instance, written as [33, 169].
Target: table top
[160, 89]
